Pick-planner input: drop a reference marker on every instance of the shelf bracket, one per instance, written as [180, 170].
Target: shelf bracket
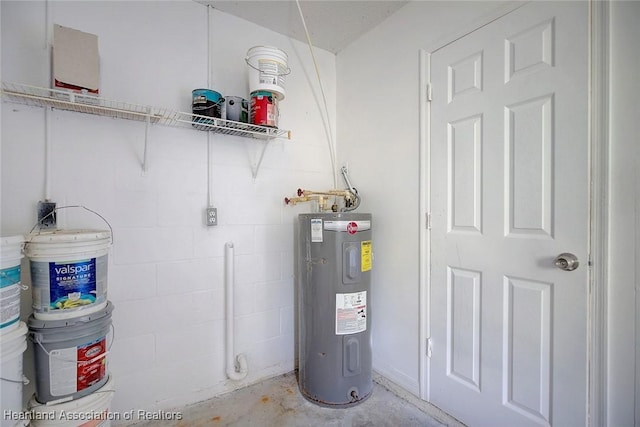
[256, 168]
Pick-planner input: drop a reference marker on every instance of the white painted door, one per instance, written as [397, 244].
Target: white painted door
[509, 192]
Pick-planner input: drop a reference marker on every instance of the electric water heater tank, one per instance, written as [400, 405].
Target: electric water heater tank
[334, 315]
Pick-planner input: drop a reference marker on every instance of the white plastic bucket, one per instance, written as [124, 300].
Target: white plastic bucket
[92, 410]
[68, 272]
[10, 283]
[267, 70]
[71, 355]
[12, 345]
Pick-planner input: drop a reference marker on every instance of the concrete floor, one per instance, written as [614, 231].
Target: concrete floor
[277, 402]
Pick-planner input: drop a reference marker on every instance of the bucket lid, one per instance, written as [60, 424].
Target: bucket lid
[256, 50]
[208, 93]
[264, 93]
[14, 334]
[68, 236]
[95, 402]
[11, 246]
[59, 243]
[11, 251]
[63, 323]
[11, 240]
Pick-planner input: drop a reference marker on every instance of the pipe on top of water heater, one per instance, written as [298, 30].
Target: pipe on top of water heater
[350, 196]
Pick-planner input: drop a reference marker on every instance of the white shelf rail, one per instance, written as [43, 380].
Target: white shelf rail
[84, 103]
[81, 103]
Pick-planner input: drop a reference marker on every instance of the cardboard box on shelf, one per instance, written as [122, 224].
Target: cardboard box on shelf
[76, 62]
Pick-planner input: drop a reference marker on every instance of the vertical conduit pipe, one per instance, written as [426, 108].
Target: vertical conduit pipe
[209, 84]
[48, 43]
[236, 366]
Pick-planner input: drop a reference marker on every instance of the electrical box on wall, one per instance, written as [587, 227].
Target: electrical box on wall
[46, 214]
[211, 216]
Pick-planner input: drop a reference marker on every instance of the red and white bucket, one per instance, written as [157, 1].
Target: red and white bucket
[264, 109]
[71, 355]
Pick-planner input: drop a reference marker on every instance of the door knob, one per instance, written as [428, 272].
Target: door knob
[566, 262]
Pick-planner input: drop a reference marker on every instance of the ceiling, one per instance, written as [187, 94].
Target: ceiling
[332, 24]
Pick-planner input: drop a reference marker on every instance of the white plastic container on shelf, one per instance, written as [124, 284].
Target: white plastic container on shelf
[268, 70]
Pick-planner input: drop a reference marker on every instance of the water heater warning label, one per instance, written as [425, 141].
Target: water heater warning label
[351, 313]
[316, 229]
[365, 253]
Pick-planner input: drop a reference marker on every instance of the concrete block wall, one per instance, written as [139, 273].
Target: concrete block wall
[166, 268]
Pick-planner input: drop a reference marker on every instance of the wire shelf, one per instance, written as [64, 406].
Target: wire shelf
[84, 103]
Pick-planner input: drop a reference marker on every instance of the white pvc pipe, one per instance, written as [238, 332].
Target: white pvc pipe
[236, 367]
[209, 84]
[48, 30]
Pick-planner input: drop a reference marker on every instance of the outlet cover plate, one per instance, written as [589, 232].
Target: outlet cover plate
[212, 217]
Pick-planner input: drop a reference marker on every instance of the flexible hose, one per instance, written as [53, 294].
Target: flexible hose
[352, 190]
[324, 99]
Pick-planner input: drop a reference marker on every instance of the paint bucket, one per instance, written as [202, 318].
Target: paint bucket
[68, 272]
[10, 286]
[12, 345]
[267, 69]
[206, 102]
[264, 109]
[237, 109]
[70, 355]
[93, 410]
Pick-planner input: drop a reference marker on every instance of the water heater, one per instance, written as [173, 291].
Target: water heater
[334, 314]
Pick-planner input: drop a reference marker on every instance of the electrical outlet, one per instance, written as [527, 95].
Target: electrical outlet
[212, 216]
[46, 214]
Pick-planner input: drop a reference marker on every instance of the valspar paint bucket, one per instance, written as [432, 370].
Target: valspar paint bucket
[68, 272]
[12, 345]
[70, 355]
[267, 69]
[264, 109]
[93, 410]
[10, 283]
